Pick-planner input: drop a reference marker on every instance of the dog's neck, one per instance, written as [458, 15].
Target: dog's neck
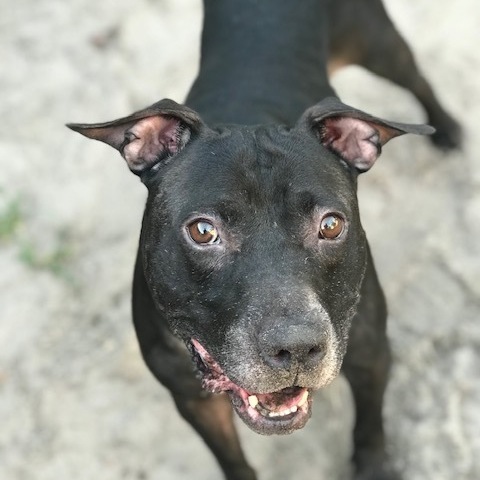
[262, 61]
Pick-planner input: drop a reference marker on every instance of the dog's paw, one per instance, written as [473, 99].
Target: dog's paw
[385, 472]
[448, 135]
[240, 473]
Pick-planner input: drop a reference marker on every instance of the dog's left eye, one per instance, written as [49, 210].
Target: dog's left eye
[331, 226]
[203, 232]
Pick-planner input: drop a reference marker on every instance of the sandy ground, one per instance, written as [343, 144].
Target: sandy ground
[76, 401]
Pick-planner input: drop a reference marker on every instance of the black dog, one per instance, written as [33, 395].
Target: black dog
[252, 258]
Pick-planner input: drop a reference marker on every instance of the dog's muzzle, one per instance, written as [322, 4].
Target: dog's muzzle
[278, 412]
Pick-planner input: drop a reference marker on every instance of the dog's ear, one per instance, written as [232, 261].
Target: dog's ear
[355, 136]
[148, 136]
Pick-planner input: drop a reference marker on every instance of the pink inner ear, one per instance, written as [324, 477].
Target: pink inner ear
[151, 137]
[356, 141]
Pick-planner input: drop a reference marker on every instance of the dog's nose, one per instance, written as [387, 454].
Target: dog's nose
[292, 346]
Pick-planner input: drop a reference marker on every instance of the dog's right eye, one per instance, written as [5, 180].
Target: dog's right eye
[203, 232]
[331, 226]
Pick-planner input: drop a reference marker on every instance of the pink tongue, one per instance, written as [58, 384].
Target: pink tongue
[282, 400]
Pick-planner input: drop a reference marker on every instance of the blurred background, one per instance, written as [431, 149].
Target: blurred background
[76, 400]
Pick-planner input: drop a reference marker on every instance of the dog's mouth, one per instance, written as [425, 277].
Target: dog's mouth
[279, 412]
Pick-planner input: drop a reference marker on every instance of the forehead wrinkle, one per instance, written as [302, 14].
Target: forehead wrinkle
[263, 181]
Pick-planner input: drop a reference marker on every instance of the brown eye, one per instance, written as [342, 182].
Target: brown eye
[331, 226]
[203, 232]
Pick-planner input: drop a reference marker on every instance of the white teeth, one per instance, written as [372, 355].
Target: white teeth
[303, 399]
[254, 403]
[283, 412]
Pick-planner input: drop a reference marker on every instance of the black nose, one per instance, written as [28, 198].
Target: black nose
[293, 345]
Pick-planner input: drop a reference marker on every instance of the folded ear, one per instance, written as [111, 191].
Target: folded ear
[148, 136]
[355, 136]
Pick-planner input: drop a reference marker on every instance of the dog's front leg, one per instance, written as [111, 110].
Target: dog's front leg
[212, 418]
[366, 366]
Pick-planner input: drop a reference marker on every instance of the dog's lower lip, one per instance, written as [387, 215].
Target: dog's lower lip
[267, 423]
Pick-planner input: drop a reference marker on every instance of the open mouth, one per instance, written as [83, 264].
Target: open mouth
[277, 412]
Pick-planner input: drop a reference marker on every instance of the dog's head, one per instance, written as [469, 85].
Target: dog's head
[252, 244]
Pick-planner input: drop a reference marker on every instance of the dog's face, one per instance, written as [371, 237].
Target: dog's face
[252, 246]
[254, 252]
